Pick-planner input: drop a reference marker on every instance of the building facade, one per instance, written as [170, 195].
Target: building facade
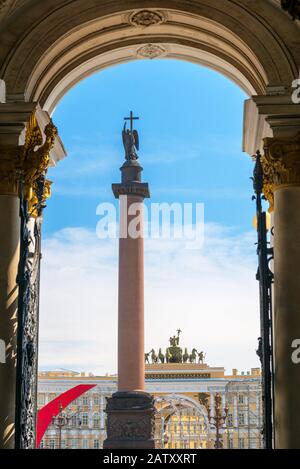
[182, 392]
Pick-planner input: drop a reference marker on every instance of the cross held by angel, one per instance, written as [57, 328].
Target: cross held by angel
[130, 139]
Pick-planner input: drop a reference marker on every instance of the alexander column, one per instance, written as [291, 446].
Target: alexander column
[130, 411]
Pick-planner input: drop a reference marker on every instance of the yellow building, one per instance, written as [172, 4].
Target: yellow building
[182, 392]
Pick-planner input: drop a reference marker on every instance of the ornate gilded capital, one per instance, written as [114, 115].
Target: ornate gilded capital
[281, 165]
[29, 162]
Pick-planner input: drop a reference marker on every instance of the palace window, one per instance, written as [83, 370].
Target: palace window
[74, 421]
[74, 443]
[96, 444]
[229, 421]
[96, 421]
[96, 400]
[241, 418]
[85, 400]
[241, 443]
[85, 419]
[52, 444]
[241, 399]
[85, 444]
[230, 443]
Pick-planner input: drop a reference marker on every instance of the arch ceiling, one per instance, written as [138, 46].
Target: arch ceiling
[47, 47]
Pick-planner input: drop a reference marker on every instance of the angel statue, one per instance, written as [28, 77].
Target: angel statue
[131, 143]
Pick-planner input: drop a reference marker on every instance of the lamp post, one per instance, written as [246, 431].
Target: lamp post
[219, 418]
[61, 420]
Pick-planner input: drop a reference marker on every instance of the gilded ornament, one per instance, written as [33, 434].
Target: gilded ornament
[30, 162]
[281, 165]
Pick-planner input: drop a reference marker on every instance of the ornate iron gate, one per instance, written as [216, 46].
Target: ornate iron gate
[28, 316]
[266, 278]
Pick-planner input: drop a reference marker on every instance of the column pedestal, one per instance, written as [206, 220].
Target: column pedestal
[130, 417]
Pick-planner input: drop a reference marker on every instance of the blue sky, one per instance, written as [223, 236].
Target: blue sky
[191, 132]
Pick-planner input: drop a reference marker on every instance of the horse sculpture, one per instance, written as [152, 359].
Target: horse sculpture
[168, 355]
[154, 357]
[193, 355]
[185, 356]
[161, 356]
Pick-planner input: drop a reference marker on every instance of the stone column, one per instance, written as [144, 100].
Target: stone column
[28, 144]
[130, 411]
[131, 362]
[282, 178]
[9, 259]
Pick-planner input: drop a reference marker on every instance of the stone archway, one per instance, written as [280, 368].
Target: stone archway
[47, 47]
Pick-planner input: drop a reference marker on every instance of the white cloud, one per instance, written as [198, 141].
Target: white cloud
[210, 294]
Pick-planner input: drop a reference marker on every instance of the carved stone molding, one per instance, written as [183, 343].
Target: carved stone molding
[151, 51]
[145, 18]
[281, 165]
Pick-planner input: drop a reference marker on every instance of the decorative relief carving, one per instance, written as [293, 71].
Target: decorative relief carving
[129, 428]
[281, 165]
[145, 18]
[151, 51]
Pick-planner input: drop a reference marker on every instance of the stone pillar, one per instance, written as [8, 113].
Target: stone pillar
[28, 144]
[282, 178]
[9, 259]
[130, 411]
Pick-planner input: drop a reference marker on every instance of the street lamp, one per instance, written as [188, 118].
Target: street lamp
[219, 418]
[61, 420]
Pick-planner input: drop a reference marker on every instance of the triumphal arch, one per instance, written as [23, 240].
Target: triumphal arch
[46, 47]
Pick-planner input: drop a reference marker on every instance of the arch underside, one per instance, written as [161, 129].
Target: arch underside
[52, 49]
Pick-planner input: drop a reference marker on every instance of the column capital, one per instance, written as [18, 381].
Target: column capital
[29, 161]
[281, 165]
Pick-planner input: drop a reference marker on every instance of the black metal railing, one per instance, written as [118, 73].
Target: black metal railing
[28, 281]
[266, 278]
